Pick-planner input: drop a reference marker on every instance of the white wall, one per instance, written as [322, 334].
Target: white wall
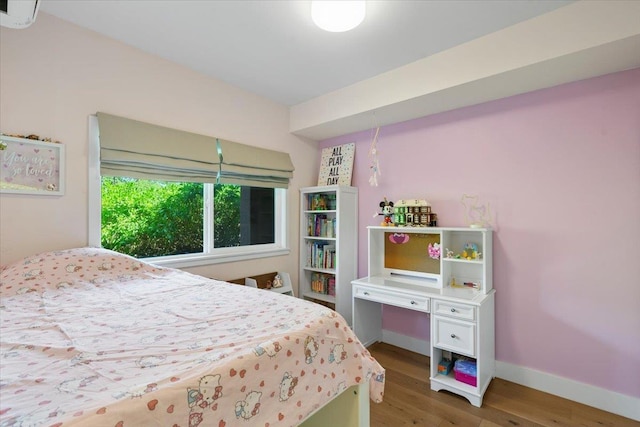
[53, 75]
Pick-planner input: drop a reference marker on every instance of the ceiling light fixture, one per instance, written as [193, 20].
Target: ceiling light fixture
[337, 16]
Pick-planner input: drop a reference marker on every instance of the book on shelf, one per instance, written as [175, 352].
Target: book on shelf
[321, 202]
[318, 225]
[330, 227]
[323, 283]
[329, 256]
[321, 255]
[331, 286]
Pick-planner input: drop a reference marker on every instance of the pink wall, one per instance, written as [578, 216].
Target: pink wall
[561, 170]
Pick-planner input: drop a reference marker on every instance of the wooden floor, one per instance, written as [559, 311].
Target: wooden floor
[409, 401]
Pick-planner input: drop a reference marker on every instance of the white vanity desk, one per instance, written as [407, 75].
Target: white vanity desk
[461, 318]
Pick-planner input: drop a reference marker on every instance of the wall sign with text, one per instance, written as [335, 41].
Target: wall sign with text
[31, 167]
[336, 165]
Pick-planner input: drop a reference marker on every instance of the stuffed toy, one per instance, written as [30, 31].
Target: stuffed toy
[387, 211]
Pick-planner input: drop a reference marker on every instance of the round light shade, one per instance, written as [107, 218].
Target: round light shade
[337, 16]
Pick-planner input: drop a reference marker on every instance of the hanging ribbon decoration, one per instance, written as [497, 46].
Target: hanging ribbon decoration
[375, 163]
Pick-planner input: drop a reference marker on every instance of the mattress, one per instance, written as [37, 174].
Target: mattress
[94, 337]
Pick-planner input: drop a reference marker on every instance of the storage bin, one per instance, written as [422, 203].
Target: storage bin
[465, 371]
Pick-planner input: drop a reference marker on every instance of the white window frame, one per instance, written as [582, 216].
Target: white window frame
[210, 254]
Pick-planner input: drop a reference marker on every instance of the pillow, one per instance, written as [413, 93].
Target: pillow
[70, 267]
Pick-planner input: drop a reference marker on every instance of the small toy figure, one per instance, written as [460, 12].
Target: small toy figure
[387, 211]
[470, 251]
[277, 281]
[434, 250]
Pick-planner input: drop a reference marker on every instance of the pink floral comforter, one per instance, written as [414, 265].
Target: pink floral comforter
[92, 337]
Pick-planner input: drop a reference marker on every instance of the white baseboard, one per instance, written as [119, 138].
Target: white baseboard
[404, 341]
[610, 401]
[606, 400]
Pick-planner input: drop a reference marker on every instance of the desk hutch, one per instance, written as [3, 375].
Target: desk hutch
[455, 288]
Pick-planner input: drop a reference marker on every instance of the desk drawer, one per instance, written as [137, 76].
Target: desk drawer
[454, 335]
[398, 299]
[459, 311]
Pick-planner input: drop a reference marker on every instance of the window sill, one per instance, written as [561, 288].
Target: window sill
[224, 256]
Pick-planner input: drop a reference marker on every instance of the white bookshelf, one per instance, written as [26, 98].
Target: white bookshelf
[328, 245]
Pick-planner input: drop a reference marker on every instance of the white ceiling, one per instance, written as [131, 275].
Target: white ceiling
[273, 49]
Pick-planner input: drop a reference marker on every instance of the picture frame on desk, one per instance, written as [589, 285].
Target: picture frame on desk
[31, 167]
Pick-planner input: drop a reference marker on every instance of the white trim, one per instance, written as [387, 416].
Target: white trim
[281, 230]
[606, 400]
[209, 209]
[416, 345]
[217, 257]
[94, 198]
[210, 255]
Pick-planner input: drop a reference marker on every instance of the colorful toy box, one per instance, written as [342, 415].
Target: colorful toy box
[466, 371]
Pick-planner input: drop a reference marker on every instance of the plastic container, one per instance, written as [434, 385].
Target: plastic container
[465, 371]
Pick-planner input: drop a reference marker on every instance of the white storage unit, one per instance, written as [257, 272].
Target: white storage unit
[285, 289]
[328, 245]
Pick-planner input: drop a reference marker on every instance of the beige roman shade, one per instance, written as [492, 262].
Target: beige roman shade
[141, 150]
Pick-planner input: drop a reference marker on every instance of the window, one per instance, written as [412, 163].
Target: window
[183, 224]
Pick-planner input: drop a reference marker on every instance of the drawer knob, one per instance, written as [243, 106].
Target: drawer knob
[413, 303]
[453, 335]
[453, 310]
[366, 293]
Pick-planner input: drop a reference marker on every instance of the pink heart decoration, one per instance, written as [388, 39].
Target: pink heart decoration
[399, 238]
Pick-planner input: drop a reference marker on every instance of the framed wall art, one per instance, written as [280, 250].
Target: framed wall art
[31, 166]
[336, 165]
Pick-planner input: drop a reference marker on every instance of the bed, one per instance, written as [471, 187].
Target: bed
[97, 338]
